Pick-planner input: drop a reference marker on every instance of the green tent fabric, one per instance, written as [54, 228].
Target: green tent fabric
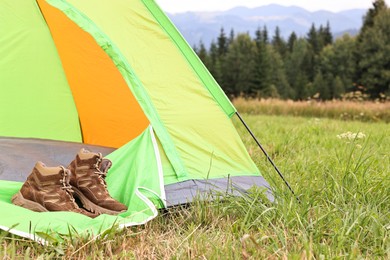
[28, 55]
[115, 76]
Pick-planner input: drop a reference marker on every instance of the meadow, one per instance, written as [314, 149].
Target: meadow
[338, 168]
[359, 109]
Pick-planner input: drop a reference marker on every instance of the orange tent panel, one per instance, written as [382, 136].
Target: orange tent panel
[108, 112]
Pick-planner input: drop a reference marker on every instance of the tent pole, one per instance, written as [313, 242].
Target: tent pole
[266, 154]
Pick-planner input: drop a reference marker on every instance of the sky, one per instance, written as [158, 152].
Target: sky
[177, 6]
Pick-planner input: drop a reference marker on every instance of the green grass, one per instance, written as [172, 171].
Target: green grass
[344, 213]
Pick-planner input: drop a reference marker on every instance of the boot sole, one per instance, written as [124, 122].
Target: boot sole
[19, 200]
[89, 205]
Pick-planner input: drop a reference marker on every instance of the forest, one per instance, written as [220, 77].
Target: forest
[313, 66]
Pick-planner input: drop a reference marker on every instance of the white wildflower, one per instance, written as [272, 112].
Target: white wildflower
[360, 135]
[351, 136]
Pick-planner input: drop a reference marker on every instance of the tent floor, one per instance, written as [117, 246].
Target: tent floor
[19, 155]
[186, 191]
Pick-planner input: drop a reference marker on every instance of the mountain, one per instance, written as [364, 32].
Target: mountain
[206, 26]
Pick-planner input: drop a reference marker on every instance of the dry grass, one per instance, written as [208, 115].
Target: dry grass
[366, 111]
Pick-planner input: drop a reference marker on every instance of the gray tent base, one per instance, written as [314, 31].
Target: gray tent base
[19, 155]
[186, 191]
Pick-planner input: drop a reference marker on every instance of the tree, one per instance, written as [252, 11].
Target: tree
[202, 54]
[368, 20]
[326, 35]
[219, 66]
[262, 79]
[239, 65]
[278, 43]
[265, 35]
[231, 37]
[374, 55]
[313, 39]
[337, 87]
[213, 52]
[343, 61]
[222, 43]
[296, 69]
[321, 86]
[279, 84]
[216, 69]
[338, 61]
[315, 45]
[291, 40]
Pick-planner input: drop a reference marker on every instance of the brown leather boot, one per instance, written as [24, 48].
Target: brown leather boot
[48, 189]
[88, 181]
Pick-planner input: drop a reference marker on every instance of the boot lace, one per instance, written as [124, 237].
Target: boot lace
[66, 185]
[101, 175]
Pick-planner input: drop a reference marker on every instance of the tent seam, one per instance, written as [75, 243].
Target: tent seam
[159, 166]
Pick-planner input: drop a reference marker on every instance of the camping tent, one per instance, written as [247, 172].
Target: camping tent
[118, 78]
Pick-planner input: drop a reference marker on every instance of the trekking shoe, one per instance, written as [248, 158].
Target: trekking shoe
[48, 189]
[88, 181]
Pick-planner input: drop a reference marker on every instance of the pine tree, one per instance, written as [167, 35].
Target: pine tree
[313, 39]
[239, 65]
[222, 43]
[295, 69]
[265, 35]
[374, 55]
[231, 37]
[202, 54]
[278, 43]
[291, 40]
[213, 52]
[262, 79]
[216, 69]
[315, 45]
[368, 20]
[327, 36]
[220, 63]
[279, 83]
